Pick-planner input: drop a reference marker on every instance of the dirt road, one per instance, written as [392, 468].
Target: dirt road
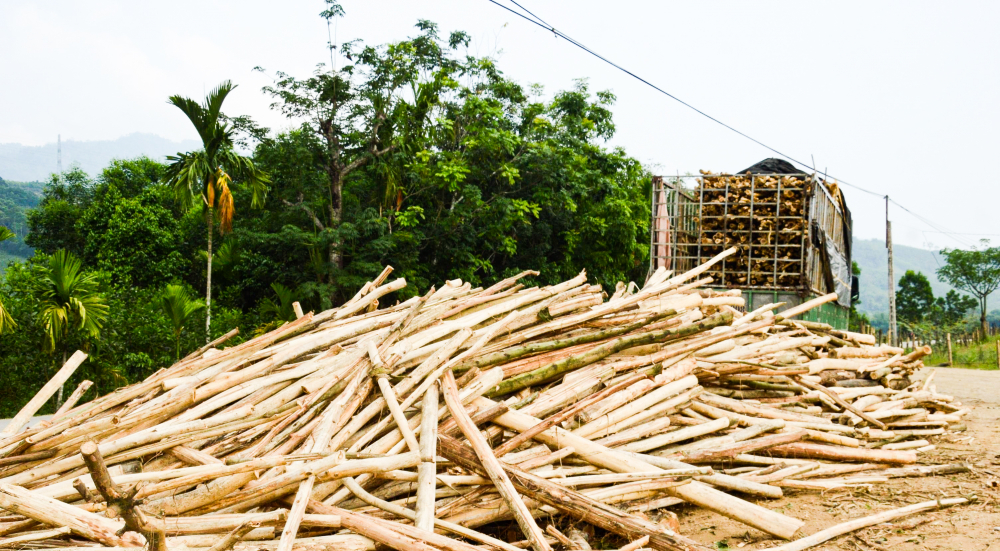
[974, 527]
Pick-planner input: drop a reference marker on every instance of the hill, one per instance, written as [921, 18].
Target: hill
[870, 255]
[27, 163]
[15, 199]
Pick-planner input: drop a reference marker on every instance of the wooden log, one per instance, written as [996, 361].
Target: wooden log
[837, 453]
[840, 401]
[577, 361]
[232, 538]
[28, 457]
[381, 531]
[70, 402]
[567, 413]
[19, 541]
[42, 396]
[427, 471]
[492, 466]
[573, 503]
[730, 451]
[121, 502]
[403, 512]
[742, 485]
[685, 433]
[56, 513]
[864, 522]
[697, 493]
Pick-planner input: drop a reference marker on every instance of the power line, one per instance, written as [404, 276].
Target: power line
[538, 21]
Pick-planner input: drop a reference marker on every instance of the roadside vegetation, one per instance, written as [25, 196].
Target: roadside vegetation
[416, 155]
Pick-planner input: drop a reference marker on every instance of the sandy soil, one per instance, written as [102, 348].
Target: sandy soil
[973, 527]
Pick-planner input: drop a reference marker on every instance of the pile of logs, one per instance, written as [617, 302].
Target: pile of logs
[764, 216]
[432, 424]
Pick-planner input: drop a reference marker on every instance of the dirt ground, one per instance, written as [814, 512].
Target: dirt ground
[971, 527]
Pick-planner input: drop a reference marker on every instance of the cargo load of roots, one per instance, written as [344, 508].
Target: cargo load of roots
[459, 419]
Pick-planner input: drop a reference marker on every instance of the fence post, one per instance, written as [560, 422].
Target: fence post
[951, 363]
[998, 354]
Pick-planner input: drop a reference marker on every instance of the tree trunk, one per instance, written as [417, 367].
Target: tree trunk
[336, 214]
[982, 316]
[208, 281]
[59, 396]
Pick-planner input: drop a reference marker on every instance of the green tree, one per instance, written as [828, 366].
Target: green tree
[914, 299]
[68, 298]
[178, 306]
[207, 173]
[53, 225]
[6, 322]
[952, 308]
[976, 271]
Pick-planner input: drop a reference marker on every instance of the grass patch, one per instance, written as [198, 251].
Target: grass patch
[981, 355]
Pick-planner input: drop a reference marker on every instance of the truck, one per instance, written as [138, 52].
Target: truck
[792, 231]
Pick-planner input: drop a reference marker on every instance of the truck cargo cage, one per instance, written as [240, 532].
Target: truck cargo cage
[792, 232]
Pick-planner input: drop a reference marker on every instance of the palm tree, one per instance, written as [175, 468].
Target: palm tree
[283, 309]
[208, 172]
[67, 297]
[6, 322]
[179, 306]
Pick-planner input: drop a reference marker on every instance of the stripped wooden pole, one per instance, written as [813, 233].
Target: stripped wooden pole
[492, 465]
[55, 383]
[427, 471]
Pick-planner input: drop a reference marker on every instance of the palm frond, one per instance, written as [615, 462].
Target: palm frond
[195, 113]
[186, 176]
[178, 305]
[6, 322]
[214, 99]
[244, 170]
[6, 234]
[67, 297]
[283, 310]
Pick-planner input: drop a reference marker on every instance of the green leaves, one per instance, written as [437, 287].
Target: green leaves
[178, 305]
[282, 310]
[68, 298]
[975, 271]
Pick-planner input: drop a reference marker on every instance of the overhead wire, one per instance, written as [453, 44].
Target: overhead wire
[538, 21]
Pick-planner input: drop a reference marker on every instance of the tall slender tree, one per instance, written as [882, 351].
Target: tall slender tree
[208, 173]
[68, 297]
[6, 322]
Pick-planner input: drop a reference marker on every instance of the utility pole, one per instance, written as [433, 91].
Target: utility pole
[893, 335]
[59, 154]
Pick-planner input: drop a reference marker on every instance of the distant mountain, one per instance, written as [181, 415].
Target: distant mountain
[27, 163]
[870, 254]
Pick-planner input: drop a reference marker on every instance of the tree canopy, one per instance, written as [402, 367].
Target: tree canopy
[975, 271]
[415, 155]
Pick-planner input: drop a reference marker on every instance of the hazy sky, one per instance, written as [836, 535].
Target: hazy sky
[897, 97]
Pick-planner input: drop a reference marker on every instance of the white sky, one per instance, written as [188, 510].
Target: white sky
[898, 97]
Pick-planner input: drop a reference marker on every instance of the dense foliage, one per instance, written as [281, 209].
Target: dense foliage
[976, 271]
[921, 314]
[414, 156]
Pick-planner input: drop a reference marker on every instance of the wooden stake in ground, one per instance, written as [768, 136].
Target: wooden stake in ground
[864, 522]
[492, 465]
[951, 362]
